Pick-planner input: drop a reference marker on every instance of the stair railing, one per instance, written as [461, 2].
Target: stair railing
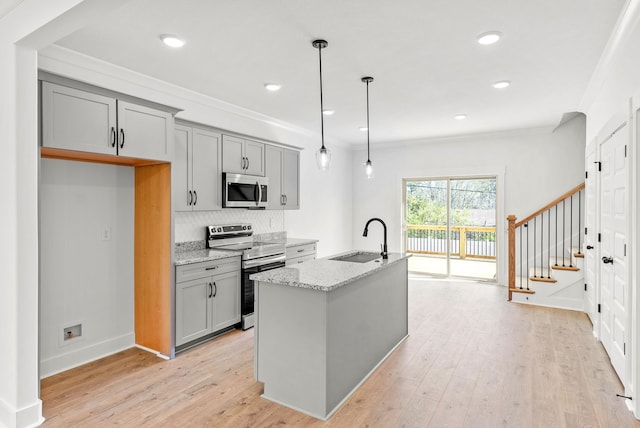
[545, 233]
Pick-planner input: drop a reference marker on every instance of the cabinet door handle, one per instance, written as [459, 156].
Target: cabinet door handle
[606, 260]
[121, 139]
[589, 247]
[244, 162]
[286, 200]
[190, 198]
[301, 251]
[216, 289]
[211, 268]
[248, 163]
[210, 290]
[195, 198]
[113, 136]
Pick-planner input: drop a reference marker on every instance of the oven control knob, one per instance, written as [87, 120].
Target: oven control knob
[244, 227]
[219, 229]
[249, 227]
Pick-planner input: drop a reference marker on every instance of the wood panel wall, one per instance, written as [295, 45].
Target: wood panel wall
[152, 254]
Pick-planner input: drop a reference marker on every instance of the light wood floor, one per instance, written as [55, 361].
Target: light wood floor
[472, 360]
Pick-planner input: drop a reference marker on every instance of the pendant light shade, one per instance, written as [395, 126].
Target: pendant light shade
[368, 167]
[323, 155]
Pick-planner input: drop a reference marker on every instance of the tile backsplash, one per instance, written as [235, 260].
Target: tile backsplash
[190, 226]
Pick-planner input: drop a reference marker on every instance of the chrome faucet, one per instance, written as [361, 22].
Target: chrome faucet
[384, 253]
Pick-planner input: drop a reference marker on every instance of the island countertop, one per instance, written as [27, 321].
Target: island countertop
[326, 274]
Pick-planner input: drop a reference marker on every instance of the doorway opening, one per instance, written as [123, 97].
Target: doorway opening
[450, 226]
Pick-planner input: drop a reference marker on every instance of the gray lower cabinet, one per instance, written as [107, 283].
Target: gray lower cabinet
[300, 254]
[73, 119]
[207, 298]
[282, 168]
[196, 170]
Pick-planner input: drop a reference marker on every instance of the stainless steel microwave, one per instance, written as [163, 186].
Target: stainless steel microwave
[244, 191]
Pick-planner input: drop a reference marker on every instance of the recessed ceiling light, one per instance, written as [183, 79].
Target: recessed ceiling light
[502, 84]
[273, 87]
[460, 116]
[171, 40]
[364, 128]
[489, 37]
[327, 112]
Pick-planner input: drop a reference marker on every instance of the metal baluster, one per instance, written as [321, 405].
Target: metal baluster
[535, 272]
[520, 258]
[555, 242]
[579, 225]
[541, 245]
[571, 235]
[564, 233]
[549, 243]
[527, 226]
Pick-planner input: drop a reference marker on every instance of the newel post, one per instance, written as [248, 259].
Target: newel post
[512, 253]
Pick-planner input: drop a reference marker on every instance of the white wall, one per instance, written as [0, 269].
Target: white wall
[83, 277]
[533, 168]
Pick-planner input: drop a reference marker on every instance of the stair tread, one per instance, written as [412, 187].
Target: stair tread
[521, 290]
[560, 267]
[542, 279]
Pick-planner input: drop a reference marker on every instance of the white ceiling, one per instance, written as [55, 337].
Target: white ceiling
[423, 55]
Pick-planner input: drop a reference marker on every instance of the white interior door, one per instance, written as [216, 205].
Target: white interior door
[590, 241]
[613, 266]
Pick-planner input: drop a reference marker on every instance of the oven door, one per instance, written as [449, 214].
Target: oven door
[248, 288]
[244, 191]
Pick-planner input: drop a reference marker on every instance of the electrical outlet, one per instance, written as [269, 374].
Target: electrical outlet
[72, 332]
[106, 234]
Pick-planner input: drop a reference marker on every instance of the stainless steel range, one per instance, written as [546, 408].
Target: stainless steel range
[256, 257]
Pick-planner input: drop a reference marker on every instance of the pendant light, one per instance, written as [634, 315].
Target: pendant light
[368, 168]
[323, 155]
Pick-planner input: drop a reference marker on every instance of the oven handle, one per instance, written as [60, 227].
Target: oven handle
[247, 264]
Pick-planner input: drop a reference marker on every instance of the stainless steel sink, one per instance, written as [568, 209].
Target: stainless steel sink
[359, 257]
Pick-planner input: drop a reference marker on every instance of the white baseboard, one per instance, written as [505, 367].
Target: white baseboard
[30, 416]
[77, 357]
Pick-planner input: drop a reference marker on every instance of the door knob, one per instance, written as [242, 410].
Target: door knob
[606, 260]
[589, 247]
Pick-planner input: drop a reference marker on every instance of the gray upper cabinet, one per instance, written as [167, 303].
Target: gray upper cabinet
[291, 179]
[273, 171]
[196, 169]
[78, 120]
[242, 156]
[143, 132]
[282, 167]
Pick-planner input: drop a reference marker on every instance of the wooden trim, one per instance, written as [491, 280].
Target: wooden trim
[521, 290]
[538, 279]
[512, 253]
[52, 153]
[152, 255]
[551, 204]
[578, 255]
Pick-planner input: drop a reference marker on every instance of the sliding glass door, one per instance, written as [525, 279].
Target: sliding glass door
[450, 226]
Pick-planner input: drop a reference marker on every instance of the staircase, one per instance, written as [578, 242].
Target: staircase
[546, 264]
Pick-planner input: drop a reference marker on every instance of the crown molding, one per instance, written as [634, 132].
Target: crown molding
[68, 63]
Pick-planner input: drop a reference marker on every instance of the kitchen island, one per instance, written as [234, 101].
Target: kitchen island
[323, 327]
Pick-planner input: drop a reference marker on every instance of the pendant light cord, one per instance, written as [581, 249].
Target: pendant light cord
[321, 103]
[368, 155]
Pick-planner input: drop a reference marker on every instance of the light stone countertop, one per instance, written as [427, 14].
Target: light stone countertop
[325, 274]
[294, 242]
[206, 255]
